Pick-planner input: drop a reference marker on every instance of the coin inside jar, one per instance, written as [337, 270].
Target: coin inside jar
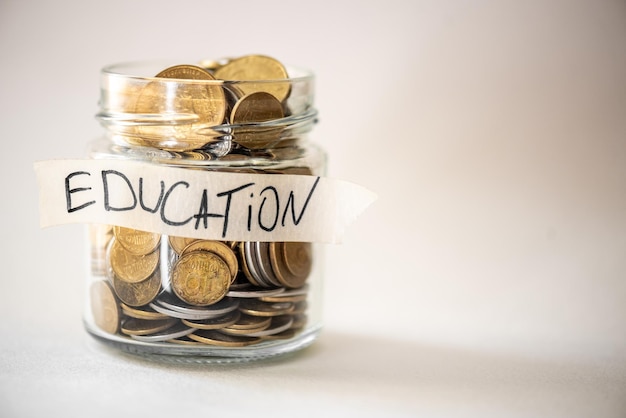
[135, 241]
[291, 262]
[200, 278]
[130, 267]
[256, 67]
[252, 108]
[104, 307]
[139, 293]
[216, 247]
[198, 106]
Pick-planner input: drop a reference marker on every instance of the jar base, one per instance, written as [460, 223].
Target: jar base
[169, 352]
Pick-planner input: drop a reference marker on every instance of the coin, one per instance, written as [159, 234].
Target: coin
[145, 312]
[200, 314]
[136, 326]
[214, 323]
[193, 107]
[211, 64]
[279, 324]
[213, 337]
[130, 267]
[281, 298]
[184, 340]
[104, 307]
[176, 331]
[218, 248]
[251, 109]
[256, 307]
[256, 67]
[284, 335]
[263, 261]
[135, 241]
[179, 243]
[255, 292]
[248, 322]
[200, 278]
[299, 260]
[222, 307]
[139, 293]
[246, 332]
[244, 262]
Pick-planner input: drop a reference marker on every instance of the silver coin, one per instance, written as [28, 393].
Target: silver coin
[262, 253]
[176, 331]
[182, 315]
[252, 264]
[222, 307]
[255, 292]
[278, 325]
[256, 307]
[144, 313]
[240, 286]
[214, 323]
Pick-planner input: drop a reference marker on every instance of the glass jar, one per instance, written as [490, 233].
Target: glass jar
[244, 286]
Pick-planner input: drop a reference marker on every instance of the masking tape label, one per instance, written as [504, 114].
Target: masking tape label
[198, 203]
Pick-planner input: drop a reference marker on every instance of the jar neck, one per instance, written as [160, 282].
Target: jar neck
[210, 116]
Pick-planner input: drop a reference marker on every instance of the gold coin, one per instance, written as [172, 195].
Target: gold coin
[130, 267]
[179, 243]
[247, 326]
[139, 293]
[104, 307]
[247, 322]
[204, 102]
[184, 340]
[218, 248]
[136, 326]
[235, 331]
[254, 68]
[212, 64]
[298, 258]
[256, 107]
[144, 313]
[135, 241]
[212, 337]
[256, 307]
[281, 268]
[200, 278]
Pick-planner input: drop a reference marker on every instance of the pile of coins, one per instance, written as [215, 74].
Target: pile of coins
[249, 94]
[229, 294]
[157, 288]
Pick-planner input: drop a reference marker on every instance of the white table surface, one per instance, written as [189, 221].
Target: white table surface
[489, 278]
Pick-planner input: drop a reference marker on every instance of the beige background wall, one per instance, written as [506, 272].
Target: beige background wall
[494, 133]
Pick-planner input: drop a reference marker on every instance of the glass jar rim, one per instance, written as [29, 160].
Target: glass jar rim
[147, 69]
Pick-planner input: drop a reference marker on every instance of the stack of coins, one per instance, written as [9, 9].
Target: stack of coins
[209, 296]
[249, 93]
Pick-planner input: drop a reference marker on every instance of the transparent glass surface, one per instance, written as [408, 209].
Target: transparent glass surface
[270, 303]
